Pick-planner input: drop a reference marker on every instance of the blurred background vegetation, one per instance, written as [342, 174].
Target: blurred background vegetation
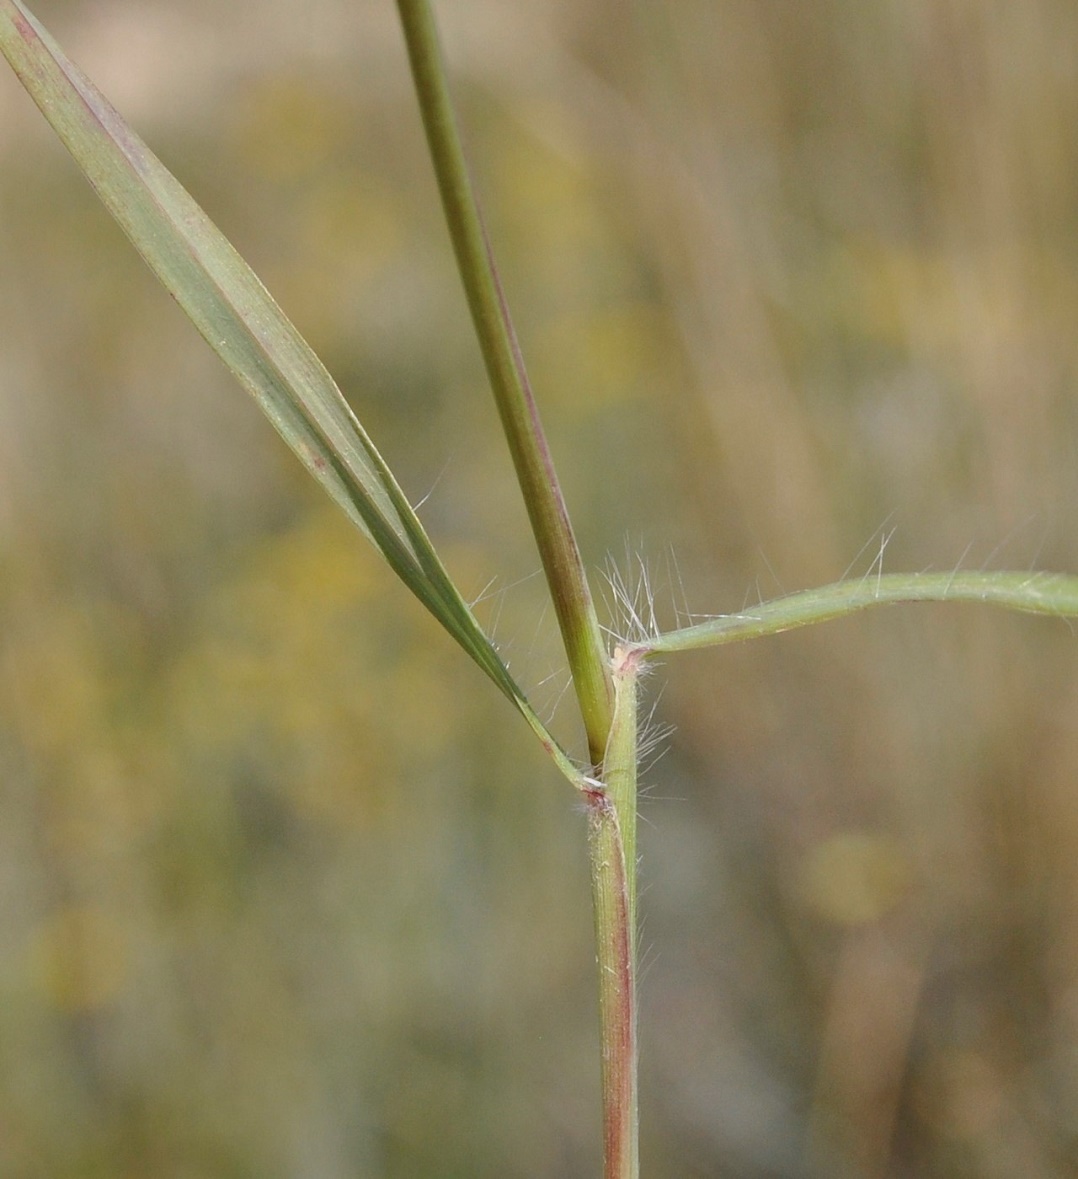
[285, 888]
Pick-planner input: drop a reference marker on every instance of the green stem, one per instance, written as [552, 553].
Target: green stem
[620, 763]
[614, 944]
[505, 367]
[612, 848]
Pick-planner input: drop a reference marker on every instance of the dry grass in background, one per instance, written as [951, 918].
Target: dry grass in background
[797, 285]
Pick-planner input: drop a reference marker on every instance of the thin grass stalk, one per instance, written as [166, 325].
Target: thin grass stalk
[519, 414]
[612, 848]
[621, 762]
[615, 954]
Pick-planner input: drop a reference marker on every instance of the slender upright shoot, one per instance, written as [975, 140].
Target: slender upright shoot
[509, 381]
[610, 726]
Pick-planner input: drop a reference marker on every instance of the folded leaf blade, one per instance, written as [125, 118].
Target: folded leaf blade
[243, 324]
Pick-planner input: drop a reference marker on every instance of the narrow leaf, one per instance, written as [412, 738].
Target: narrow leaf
[241, 322]
[1030, 593]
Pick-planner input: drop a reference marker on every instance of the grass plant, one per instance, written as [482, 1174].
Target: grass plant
[260, 346]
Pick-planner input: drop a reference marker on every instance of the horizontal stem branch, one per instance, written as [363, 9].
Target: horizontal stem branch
[1054, 594]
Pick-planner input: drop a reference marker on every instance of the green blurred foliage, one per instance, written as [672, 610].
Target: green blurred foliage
[285, 890]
